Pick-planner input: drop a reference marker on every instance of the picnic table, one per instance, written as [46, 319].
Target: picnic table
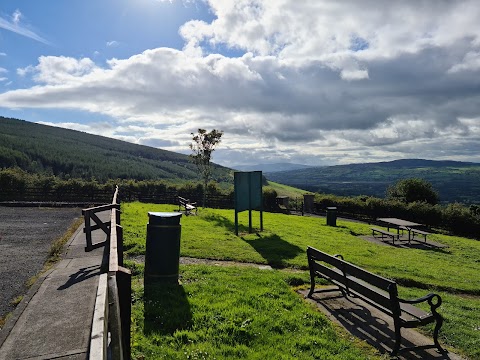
[399, 224]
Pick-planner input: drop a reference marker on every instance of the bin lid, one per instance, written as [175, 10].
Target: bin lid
[164, 218]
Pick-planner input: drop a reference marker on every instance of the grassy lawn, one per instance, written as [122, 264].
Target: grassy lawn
[233, 313]
[451, 272]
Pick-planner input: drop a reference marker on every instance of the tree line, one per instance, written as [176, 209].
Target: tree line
[16, 184]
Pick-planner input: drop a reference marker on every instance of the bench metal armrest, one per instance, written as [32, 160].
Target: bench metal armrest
[429, 298]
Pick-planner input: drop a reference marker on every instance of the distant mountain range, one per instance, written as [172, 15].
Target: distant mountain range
[269, 168]
[454, 180]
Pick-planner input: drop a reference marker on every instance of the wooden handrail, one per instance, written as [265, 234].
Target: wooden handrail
[113, 252]
[116, 287]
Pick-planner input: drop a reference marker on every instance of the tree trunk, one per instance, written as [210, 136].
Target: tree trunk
[204, 194]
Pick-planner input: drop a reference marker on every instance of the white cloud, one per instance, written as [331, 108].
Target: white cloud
[17, 15]
[319, 82]
[58, 69]
[15, 26]
[112, 43]
[3, 54]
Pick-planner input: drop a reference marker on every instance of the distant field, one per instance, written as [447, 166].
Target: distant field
[285, 190]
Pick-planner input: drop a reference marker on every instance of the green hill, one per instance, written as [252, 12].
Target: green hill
[454, 180]
[73, 154]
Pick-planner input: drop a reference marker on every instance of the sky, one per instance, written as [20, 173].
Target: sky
[313, 82]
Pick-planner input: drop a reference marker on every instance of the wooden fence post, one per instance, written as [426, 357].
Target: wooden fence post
[124, 287]
[115, 322]
[88, 230]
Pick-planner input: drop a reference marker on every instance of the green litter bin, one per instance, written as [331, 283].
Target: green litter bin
[162, 254]
[332, 216]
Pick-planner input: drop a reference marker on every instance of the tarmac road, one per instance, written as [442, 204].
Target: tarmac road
[26, 235]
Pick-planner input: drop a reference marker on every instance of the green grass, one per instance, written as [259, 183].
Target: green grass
[285, 190]
[451, 272]
[233, 313]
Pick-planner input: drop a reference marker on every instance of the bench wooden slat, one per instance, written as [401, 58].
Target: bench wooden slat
[385, 232]
[377, 296]
[420, 232]
[413, 311]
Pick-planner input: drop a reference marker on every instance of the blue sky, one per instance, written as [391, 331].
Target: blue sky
[315, 82]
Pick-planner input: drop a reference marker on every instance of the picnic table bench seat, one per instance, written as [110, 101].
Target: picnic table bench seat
[186, 205]
[420, 232]
[384, 233]
[377, 291]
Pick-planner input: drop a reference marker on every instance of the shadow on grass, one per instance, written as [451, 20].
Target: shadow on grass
[222, 221]
[166, 309]
[274, 249]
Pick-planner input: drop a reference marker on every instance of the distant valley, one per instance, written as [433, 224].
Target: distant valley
[453, 180]
[268, 168]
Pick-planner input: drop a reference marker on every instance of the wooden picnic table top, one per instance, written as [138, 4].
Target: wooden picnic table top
[399, 222]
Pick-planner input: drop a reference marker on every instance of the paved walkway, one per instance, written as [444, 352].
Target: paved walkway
[54, 319]
[372, 326]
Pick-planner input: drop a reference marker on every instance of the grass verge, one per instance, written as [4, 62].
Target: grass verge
[233, 313]
[451, 272]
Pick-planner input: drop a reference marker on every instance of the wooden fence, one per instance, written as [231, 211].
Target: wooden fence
[88, 197]
[110, 337]
[91, 196]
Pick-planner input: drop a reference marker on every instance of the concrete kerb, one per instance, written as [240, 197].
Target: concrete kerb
[18, 311]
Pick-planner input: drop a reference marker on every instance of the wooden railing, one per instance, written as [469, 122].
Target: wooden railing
[63, 195]
[110, 337]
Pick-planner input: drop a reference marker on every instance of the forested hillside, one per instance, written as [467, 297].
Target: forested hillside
[73, 154]
[454, 180]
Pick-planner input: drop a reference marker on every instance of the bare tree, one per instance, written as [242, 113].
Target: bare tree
[202, 147]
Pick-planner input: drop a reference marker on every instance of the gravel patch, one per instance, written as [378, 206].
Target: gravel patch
[26, 235]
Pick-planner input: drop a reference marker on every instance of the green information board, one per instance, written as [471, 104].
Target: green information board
[248, 195]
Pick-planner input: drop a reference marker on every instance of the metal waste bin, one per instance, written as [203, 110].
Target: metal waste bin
[332, 216]
[162, 253]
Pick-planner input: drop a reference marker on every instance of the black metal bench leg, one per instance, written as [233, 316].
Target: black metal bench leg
[312, 279]
[312, 288]
[438, 325]
[398, 339]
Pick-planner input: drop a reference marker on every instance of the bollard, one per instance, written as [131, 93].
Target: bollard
[332, 216]
[162, 254]
[308, 200]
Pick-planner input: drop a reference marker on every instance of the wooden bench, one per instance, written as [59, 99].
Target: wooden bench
[386, 233]
[420, 232]
[377, 291]
[186, 205]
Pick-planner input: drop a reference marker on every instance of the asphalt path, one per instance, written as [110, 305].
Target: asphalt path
[26, 235]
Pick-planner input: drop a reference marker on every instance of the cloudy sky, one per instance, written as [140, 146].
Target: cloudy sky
[313, 82]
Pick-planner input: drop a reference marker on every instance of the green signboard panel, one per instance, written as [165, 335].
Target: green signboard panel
[248, 190]
[248, 195]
